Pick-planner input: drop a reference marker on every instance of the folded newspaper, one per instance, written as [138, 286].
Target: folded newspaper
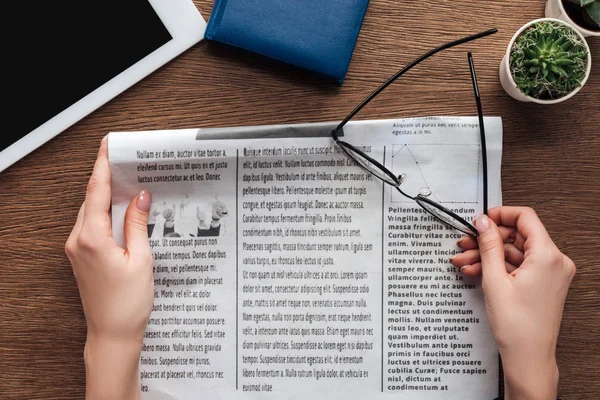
[285, 271]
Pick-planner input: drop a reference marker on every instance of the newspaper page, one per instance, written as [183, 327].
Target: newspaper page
[284, 270]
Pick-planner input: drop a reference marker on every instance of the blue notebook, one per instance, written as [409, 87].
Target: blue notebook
[318, 35]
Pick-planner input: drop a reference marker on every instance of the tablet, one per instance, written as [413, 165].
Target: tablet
[69, 57]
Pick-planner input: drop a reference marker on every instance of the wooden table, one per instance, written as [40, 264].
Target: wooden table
[551, 162]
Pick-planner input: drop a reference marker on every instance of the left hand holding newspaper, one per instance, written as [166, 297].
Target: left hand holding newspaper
[115, 285]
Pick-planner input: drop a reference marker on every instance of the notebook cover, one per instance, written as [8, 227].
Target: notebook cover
[318, 35]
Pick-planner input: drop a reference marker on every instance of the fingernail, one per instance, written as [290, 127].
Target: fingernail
[143, 201]
[482, 223]
[460, 241]
[104, 139]
[462, 269]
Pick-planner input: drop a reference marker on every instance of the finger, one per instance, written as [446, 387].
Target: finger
[474, 270]
[524, 219]
[468, 242]
[467, 258]
[97, 198]
[491, 249]
[510, 235]
[136, 226]
[519, 242]
[513, 255]
[510, 267]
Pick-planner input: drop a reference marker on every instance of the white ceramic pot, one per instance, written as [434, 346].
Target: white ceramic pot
[506, 78]
[556, 9]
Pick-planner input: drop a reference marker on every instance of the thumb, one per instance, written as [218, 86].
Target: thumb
[136, 225]
[491, 249]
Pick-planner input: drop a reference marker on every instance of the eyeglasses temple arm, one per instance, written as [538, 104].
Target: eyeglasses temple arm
[482, 133]
[408, 68]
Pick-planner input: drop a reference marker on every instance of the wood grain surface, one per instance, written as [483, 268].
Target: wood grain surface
[550, 162]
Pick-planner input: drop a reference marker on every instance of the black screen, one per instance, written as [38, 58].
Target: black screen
[63, 50]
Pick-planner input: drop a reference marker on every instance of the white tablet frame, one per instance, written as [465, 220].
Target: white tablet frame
[185, 24]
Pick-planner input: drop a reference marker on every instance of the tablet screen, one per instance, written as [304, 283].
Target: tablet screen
[64, 49]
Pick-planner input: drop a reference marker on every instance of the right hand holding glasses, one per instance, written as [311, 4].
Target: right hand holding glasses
[525, 280]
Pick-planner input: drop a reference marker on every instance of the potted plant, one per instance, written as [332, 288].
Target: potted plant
[547, 61]
[582, 14]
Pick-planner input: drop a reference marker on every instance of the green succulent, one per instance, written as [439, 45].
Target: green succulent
[548, 60]
[592, 11]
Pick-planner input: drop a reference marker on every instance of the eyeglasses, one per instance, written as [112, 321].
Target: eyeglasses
[441, 213]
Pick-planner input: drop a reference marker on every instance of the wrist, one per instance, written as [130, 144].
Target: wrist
[530, 379]
[112, 368]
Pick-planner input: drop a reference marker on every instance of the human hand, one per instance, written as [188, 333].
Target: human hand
[115, 285]
[525, 280]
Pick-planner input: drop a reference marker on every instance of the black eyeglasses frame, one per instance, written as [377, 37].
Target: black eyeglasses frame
[396, 181]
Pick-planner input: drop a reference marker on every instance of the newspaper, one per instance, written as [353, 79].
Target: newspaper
[284, 270]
